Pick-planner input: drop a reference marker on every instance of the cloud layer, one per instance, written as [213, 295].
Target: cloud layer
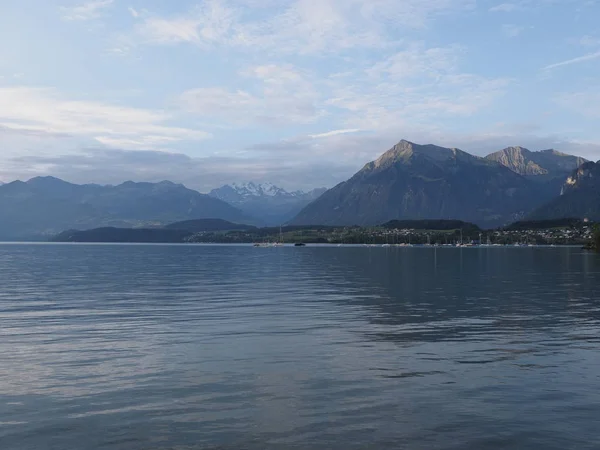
[297, 92]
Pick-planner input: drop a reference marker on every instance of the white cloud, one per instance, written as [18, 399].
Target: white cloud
[589, 41]
[334, 133]
[419, 86]
[165, 31]
[280, 95]
[134, 12]
[417, 61]
[86, 11]
[303, 162]
[41, 110]
[580, 59]
[512, 30]
[210, 23]
[505, 7]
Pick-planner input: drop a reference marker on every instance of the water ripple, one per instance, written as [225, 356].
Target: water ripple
[230, 347]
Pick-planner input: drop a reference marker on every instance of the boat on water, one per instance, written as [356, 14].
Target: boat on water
[299, 244]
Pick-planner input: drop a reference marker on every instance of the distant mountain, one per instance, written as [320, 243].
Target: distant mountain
[45, 206]
[413, 181]
[272, 204]
[580, 196]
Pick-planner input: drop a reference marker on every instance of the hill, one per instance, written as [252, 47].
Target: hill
[545, 224]
[200, 225]
[123, 235]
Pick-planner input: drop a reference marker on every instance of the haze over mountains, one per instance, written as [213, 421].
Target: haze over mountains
[412, 181]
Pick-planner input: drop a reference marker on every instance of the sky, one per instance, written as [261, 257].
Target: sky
[300, 93]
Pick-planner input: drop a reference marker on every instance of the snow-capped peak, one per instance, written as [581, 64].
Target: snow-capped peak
[251, 192]
[251, 189]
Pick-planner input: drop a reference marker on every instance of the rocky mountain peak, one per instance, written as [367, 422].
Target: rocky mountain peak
[405, 150]
[549, 163]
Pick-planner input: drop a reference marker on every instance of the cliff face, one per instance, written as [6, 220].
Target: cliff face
[580, 196]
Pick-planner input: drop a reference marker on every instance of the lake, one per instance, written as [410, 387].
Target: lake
[235, 347]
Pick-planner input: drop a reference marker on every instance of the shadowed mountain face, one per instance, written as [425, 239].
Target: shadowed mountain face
[580, 196]
[45, 206]
[273, 205]
[413, 181]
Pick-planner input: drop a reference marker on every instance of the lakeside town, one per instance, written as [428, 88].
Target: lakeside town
[408, 233]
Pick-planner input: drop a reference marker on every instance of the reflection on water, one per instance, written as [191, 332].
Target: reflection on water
[188, 347]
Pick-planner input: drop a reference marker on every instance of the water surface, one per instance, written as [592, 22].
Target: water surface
[235, 347]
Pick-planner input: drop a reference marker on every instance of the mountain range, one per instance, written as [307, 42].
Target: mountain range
[408, 182]
[44, 206]
[273, 205]
[412, 181]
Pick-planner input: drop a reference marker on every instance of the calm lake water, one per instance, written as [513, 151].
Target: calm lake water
[233, 347]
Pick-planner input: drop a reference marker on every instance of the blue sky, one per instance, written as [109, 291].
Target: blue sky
[297, 92]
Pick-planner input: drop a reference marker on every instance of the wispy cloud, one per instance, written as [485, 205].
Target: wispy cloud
[589, 41]
[334, 133]
[512, 30]
[299, 26]
[41, 110]
[86, 11]
[585, 103]
[211, 23]
[280, 95]
[568, 62]
[283, 87]
[419, 85]
[505, 7]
